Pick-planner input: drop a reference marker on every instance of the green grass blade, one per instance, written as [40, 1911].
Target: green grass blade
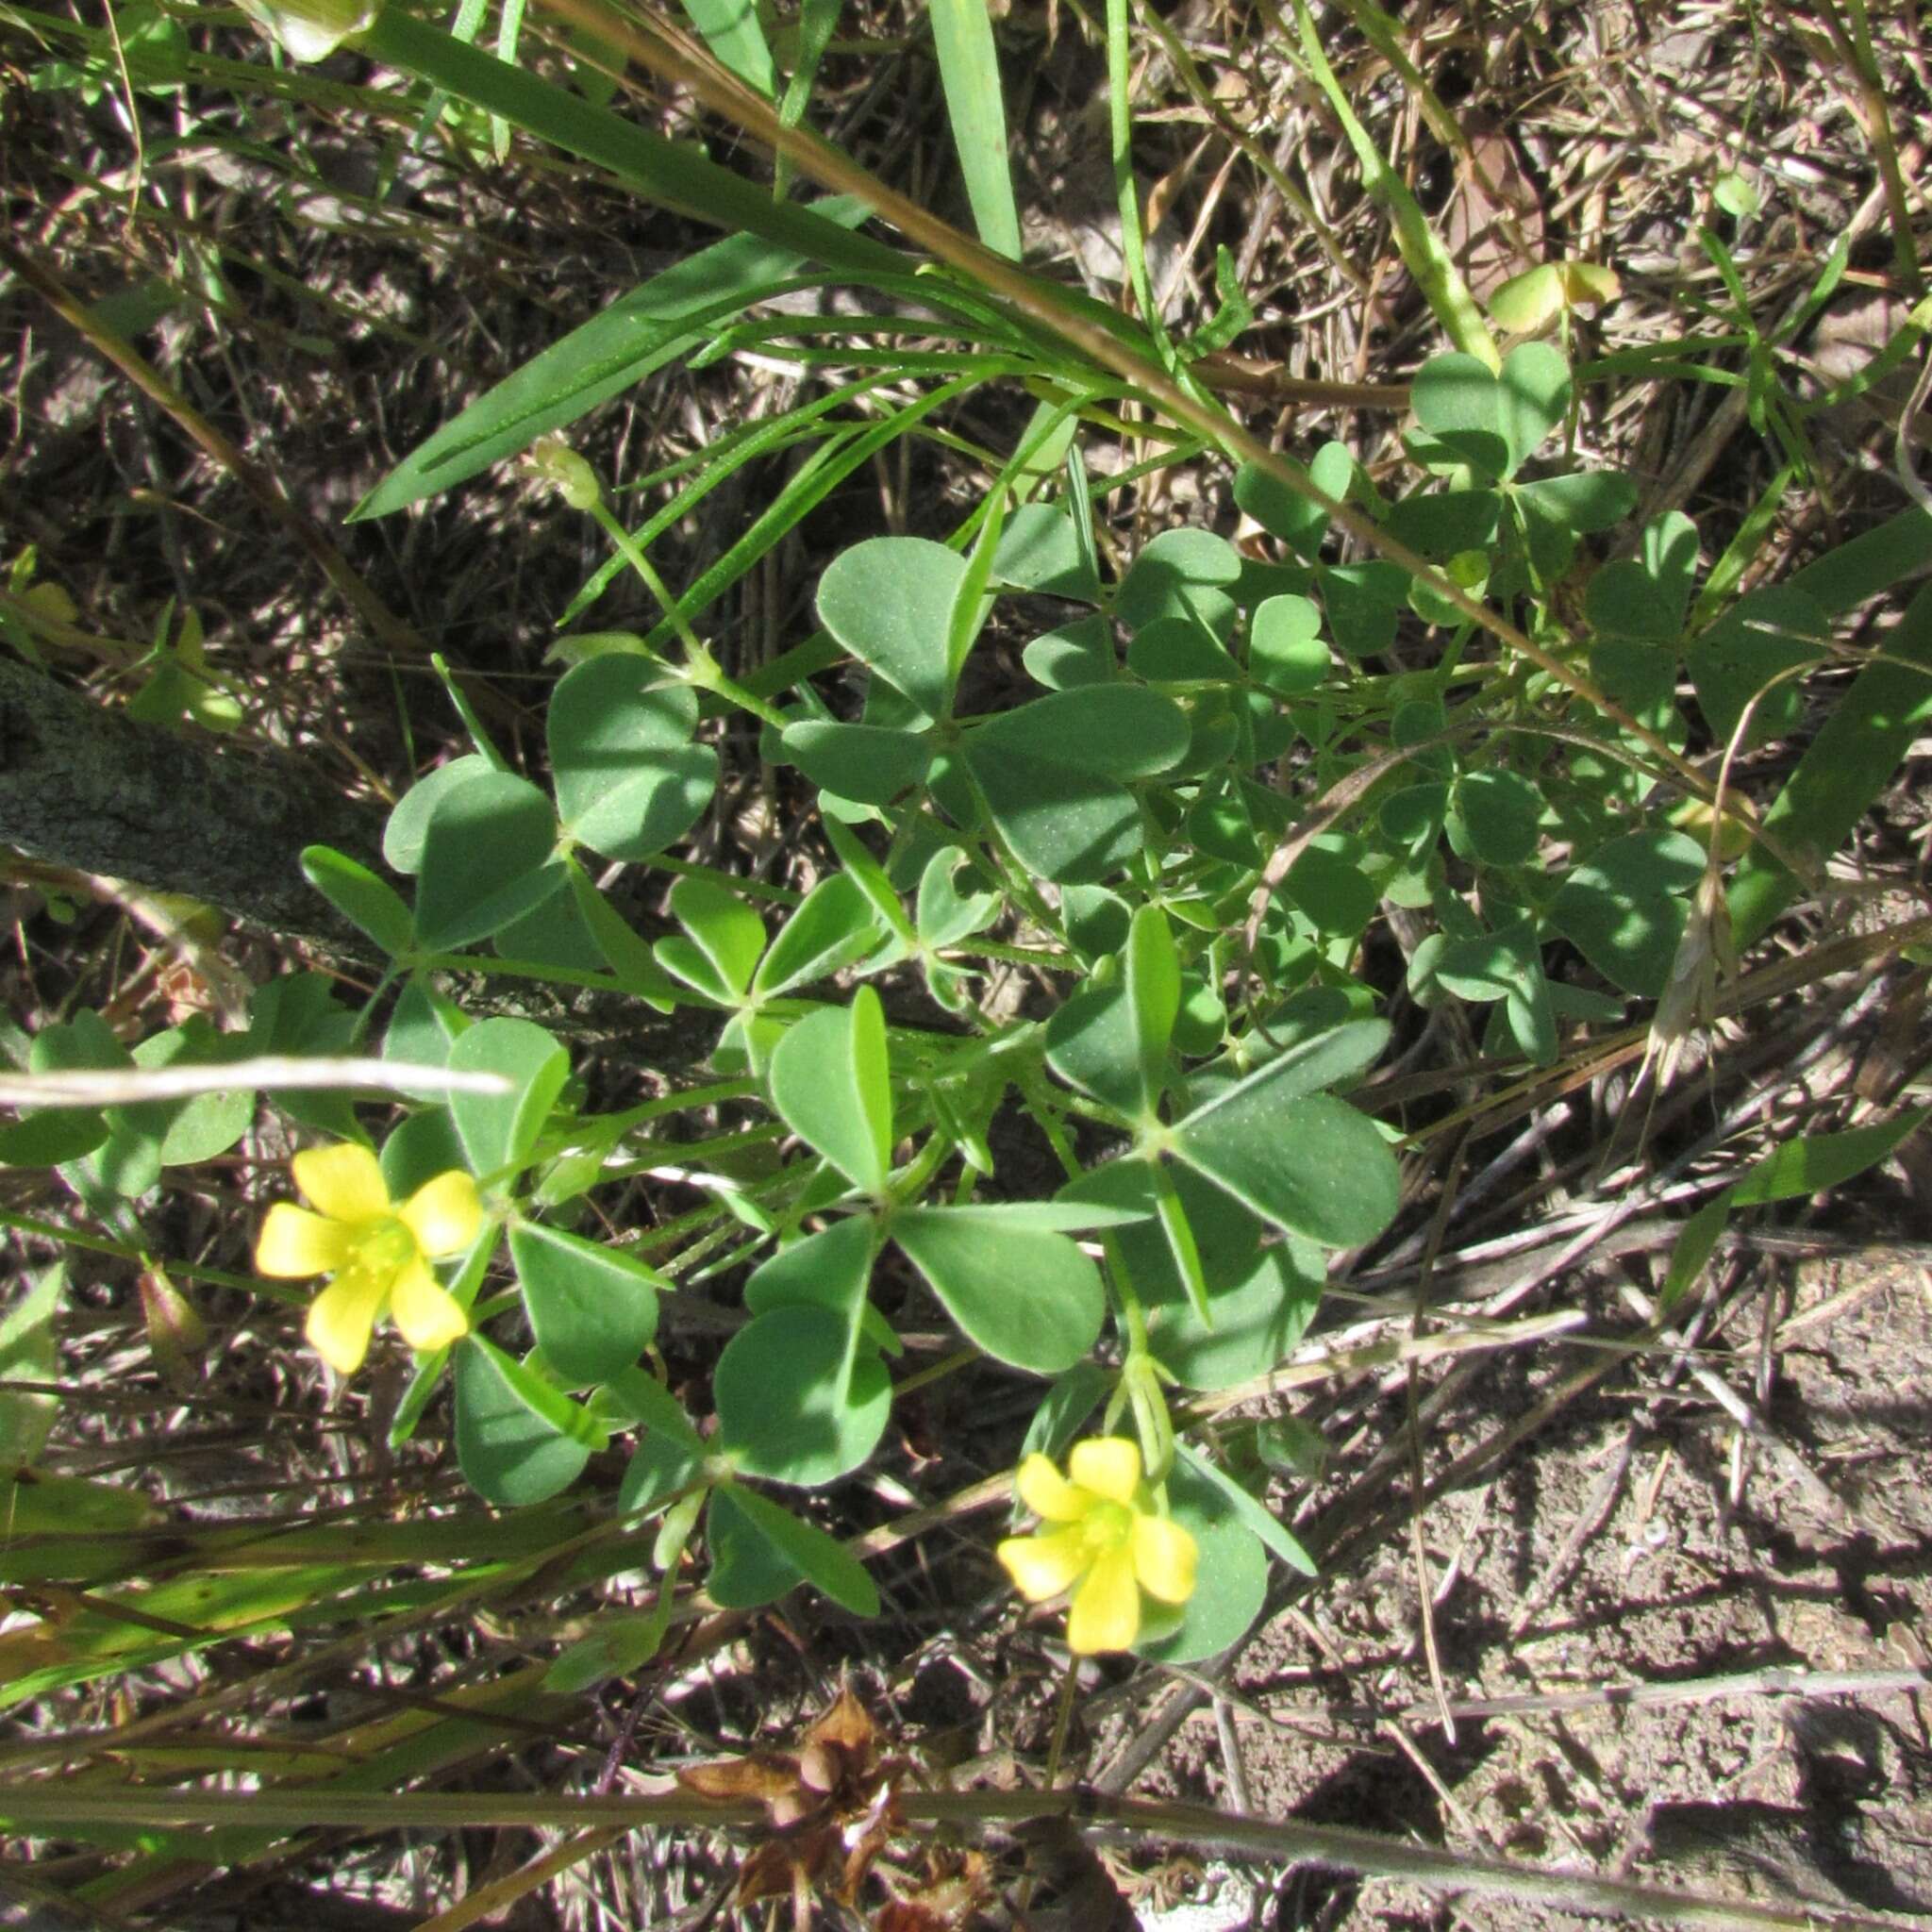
[636, 335]
[1121, 136]
[1383, 32]
[817, 20]
[465, 27]
[392, 1752]
[732, 32]
[743, 446]
[969, 72]
[834, 442]
[1845, 767]
[717, 465]
[1903, 344]
[509, 30]
[799, 497]
[667, 172]
[173, 1620]
[1727, 572]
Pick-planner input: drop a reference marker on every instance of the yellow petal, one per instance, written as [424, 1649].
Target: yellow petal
[295, 1242]
[1106, 1608]
[343, 1181]
[341, 1316]
[1164, 1558]
[1047, 1493]
[426, 1311]
[1043, 1566]
[444, 1214]
[1108, 1465]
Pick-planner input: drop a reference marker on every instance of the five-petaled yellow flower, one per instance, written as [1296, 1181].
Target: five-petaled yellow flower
[378, 1250]
[1102, 1535]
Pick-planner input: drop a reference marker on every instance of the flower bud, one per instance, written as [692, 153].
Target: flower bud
[553, 462]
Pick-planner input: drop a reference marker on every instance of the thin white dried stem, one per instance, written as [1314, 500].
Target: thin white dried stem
[130, 1085]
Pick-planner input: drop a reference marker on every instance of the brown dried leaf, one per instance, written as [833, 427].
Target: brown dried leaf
[791, 1808]
[866, 1836]
[820, 1768]
[909, 1915]
[950, 1892]
[1494, 226]
[1168, 190]
[834, 1806]
[731, 1780]
[1848, 335]
[33, 1647]
[846, 1725]
[778, 1868]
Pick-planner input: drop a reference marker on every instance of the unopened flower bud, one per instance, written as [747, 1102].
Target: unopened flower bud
[553, 463]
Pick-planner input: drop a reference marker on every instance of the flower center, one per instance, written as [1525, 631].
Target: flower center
[384, 1247]
[1106, 1526]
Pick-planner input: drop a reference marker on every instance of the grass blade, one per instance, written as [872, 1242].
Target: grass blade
[969, 72]
[636, 335]
[800, 495]
[667, 172]
[509, 28]
[1121, 135]
[817, 19]
[732, 32]
[717, 465]
[1845, 767]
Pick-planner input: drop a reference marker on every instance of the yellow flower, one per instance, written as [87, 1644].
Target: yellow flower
[379, 1251]
[1109, 1540]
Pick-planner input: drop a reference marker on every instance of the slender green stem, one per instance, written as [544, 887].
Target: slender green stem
[701, 668]
[290, 1292]
[616, 1125]
[937, 1372]
[690, 1154]
[519, 969]
[1011, 955]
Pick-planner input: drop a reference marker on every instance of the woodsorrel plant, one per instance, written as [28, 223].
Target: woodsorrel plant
[1224, 766]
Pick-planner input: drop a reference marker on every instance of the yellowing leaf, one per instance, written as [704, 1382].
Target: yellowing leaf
[1528, 303]
[1588, 281]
